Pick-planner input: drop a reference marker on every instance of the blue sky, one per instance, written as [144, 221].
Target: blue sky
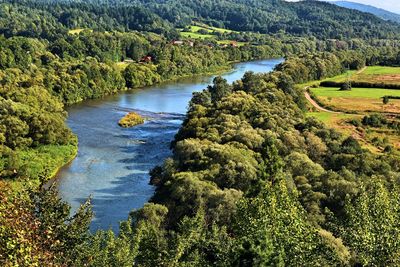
[390, 5]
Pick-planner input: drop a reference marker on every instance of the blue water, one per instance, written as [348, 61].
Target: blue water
[113, 163]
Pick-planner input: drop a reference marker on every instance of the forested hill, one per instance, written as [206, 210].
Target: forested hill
[379, 12]
[322, 20]
[305, 18]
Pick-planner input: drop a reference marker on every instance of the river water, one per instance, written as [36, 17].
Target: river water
[112, 165]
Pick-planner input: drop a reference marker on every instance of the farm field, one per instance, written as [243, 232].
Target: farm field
[360, 102]
[78, 31]
[196, 35]
[193, 32]
[379, 74]
[340, 122]
[370, 74]
[358, 99]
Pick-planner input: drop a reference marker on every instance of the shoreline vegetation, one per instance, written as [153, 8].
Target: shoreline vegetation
[42, 165]
[63, 153]
[67, 153]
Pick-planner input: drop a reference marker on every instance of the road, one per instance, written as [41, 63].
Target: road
[316, 105]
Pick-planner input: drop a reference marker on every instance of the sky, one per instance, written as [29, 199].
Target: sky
[390, 5]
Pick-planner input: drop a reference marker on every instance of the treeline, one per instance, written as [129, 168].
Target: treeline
[362, 84]
[72, 68]
[49, 19]
[304, 18]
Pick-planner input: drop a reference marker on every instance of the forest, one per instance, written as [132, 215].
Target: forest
[252, 181]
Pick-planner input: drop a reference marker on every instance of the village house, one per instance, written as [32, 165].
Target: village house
[146, 59]
[177, 42]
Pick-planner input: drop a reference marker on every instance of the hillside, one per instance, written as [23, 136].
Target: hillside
[305, 18]
[379, 12]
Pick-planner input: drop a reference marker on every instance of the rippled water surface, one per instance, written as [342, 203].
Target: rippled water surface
[113, 163]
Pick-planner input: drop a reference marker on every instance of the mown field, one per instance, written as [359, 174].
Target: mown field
[362, 99]
[371, 74]
[360, 102]
[203, 31]
[376, 74]
[358, 99]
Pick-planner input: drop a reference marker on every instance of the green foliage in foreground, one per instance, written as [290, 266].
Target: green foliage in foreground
[36, 229]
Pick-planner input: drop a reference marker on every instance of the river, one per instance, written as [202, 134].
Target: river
[112, 165]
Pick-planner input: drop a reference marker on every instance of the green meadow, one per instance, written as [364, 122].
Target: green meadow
[375, 93]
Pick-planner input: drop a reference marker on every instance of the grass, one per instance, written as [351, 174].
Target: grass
[78, 31]
[194, 32]
[330, 119]
[361, 101]
[131, 119]
[340, 123]
[374, 93]
[196, 35]
[122, 65]
[41, 163]
[201, 26]
[381, 70]
[230, 41]
[371, 74]
[358, 99]
[342, 77]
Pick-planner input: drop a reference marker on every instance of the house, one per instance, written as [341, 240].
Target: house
[175, 42]
[191, 44]
[146, 59]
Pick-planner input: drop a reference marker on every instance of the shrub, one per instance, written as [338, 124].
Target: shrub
[345, 86]
[131, 119]
[374, 120]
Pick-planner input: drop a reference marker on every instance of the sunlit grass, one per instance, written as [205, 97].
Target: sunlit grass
[358, 99]
[41, 163]
[78, 31]
[375, 93]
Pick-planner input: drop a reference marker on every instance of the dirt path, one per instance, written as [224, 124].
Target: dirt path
[316, 105]
[362, 70]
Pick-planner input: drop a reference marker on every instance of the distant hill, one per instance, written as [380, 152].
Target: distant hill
[308, 18]
[379, 12]
[304, 18]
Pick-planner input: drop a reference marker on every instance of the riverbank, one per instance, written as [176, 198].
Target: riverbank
[113, 162]
[41, 165]
[215, 70]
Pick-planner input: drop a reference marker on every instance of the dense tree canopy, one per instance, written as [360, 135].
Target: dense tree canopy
[251, 180]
